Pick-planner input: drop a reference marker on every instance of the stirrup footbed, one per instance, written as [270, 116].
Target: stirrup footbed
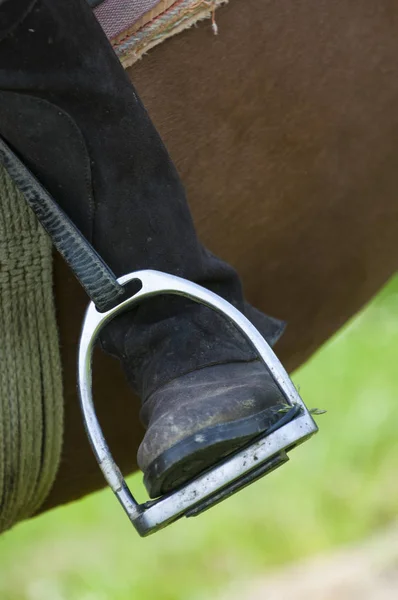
[196, 453]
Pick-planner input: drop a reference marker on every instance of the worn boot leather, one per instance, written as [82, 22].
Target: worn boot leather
[201, 417]
[69, 111]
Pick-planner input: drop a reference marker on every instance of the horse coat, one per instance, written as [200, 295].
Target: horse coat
[285, 141]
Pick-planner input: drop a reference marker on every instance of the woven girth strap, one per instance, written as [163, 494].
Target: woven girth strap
[31, 401]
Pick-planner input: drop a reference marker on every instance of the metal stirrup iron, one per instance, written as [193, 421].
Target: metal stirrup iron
[228, 476]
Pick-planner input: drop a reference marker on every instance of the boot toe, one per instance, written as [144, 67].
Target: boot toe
[199, 419]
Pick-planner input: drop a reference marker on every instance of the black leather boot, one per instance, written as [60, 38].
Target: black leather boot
[203, 416]
[70, 113]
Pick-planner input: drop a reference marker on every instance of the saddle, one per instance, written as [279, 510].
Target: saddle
[134, 27]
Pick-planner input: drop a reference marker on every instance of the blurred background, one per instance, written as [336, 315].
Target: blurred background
[339, 489]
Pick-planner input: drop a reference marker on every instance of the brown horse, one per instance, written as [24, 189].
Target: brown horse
[284, 130]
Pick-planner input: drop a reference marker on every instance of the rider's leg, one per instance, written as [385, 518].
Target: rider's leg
[69, 111]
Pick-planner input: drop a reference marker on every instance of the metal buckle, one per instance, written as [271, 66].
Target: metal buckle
[225, 478]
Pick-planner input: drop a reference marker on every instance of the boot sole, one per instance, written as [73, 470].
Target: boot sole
[196, 453]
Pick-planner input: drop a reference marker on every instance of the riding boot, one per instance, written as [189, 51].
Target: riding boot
[69, 111]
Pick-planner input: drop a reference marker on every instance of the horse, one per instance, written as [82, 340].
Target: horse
[283, 129]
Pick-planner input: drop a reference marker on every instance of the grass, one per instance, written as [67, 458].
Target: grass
[339, 487]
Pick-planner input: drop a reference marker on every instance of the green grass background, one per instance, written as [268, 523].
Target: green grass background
[339, 487]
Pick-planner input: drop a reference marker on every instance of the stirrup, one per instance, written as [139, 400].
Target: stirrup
[228, 476]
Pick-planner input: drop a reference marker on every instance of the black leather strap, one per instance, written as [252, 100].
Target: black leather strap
[94, 3]
[94, 275]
